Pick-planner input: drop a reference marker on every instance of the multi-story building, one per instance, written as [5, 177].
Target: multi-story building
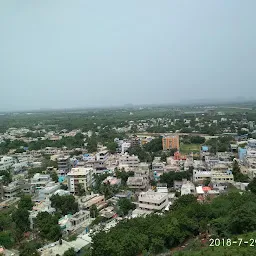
[222, 176]
[250, 165]
[135, 141]
[82, 176]
[40, 181]
[188, 188]
[170, 142]
[142, 171]
[49, 189]
[139, 183]
[87, 201]
[200, 176]
[252, 143]
[125, 146]
[12, 190]
[102, 156]
[89, 157]
[50, 150]
[80, 218]
[158, 166]
[145, 140]
[126, 160]
[153, 201]
[211, 161]
[251, 152]
[6, 163]
[64, 165]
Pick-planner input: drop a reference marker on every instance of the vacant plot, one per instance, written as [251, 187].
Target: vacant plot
[188, 148]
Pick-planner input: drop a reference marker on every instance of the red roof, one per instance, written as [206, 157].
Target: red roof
[206, 189]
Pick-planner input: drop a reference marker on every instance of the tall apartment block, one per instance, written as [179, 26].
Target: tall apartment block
[64, 165]
[170, 141]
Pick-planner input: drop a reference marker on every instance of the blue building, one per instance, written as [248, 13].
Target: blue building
[242, 153]
[205, 148]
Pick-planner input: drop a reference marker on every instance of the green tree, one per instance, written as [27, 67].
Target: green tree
[48, 226]
[21, 219]
[197, 140]
[94, 212]
[29, 249]
[6, 239]
[64, 204]
[63, 186]
[238, 176]
[170, 177]
[54, 176]
[183, 201]
[70, 252]
[80, 190]
[243, 219]
[154, 145]
[207, 181]
[112, 146]
[91, 145]
[25, 203]
[252, 186]
[7, 176]
[125, 205]
[123, 175]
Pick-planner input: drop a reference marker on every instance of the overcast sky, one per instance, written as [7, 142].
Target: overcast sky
[79, 53]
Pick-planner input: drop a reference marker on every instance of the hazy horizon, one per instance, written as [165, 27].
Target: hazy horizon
[78, 54]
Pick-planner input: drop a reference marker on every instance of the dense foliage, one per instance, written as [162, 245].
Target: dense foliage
[125, 205]
[6, 176]
[238, 176]
[225, 216]
[252, 186]
[47, 226]
[26, 202]
[64, 204]
[170, 177]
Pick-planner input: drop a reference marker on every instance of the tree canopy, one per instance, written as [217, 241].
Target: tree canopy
[25, 203]
[48, 226]
[225, 216]
[125, 205]
[64, 204]
[70, 252]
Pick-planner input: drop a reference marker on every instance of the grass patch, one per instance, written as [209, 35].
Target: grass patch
[188, 148]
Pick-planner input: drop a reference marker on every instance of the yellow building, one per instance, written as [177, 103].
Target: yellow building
[171, 141]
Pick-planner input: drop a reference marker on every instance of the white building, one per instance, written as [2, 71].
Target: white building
[40, 181]
[126, 160]
[153, 201]
[222, 176]
[89, 157]
[49, 190]
[188, 188]
[137, 183]
[12, 190]
[102, 156]
[162, 188]
[158, 166]
[86, 202]
[83, 176]
[125, 146]
[142, 171]
[251, 152]
[6, 163]
[201, 175]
